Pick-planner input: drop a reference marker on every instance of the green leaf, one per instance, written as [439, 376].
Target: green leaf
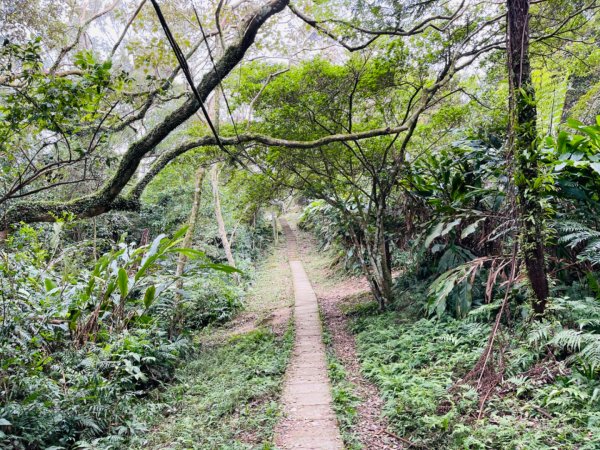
[573, 123]
[221, 267]
[154, 246]
[596, 167]
[180, 233]
[49, 284]
[149, 296]
[4, 422]
[471, 228]
[123, 282]
[451, 226]
[436, 232]
[576, 156]
[147, 262]
[110, 288]
[189, 252]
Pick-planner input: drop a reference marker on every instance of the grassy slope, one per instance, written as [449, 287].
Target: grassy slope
[227, 396]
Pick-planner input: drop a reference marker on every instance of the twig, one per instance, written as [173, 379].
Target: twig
[401, 439]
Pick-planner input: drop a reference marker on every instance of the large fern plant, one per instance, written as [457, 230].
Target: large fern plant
[574, 328]
[580, 238]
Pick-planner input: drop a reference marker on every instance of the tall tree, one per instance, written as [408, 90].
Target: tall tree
[524, 147]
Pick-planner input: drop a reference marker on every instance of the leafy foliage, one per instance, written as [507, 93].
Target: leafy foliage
[78, 348]
[416, 362]
[580, 237]
[413, 174]
[329, 225]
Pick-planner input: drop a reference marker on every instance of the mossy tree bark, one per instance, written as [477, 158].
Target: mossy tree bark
[524, 145]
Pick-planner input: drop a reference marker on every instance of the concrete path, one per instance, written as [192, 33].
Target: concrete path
[309, 421]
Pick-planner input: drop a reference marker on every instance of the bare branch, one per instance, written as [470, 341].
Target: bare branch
[137, 11]
[80, 30]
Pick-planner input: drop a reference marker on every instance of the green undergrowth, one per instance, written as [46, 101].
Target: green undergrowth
[225, 398]
[343, 391]
[414, 361]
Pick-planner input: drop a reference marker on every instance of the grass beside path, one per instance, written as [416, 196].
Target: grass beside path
[227, 396]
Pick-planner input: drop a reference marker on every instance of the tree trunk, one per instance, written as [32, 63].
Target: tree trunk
[95, 240]
[377, 254]
[385, 258]
[187, 242]
[523, 136]
[214, 179]
[373, 261]
[275, 229]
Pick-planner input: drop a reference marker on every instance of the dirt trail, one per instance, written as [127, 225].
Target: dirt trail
[309, 421]
[370, 428]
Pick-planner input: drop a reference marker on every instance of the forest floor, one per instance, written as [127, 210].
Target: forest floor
[257, 381]
[226, 395]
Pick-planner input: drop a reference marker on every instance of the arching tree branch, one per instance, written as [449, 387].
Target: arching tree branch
[105, 199]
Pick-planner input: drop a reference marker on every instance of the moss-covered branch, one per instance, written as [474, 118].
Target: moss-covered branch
[107, 197]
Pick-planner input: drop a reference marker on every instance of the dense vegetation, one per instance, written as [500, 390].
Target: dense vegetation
[76, 343]
[447, 152]
[546, 399]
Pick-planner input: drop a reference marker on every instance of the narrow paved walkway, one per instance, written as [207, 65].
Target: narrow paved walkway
[309, 421]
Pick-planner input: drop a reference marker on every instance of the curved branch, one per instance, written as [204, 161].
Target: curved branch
[105, 199]
[248, 138]
[63, 52]
[315, 24]
[420, 27]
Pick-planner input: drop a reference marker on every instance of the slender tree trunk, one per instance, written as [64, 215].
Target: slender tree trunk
[524, 147]
[187, 242]
[385, 258]
[95, 243]
[275, 230]
[214, 179]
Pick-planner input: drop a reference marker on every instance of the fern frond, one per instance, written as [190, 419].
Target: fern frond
[541, 334]
[574, 234]
[569, 339]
